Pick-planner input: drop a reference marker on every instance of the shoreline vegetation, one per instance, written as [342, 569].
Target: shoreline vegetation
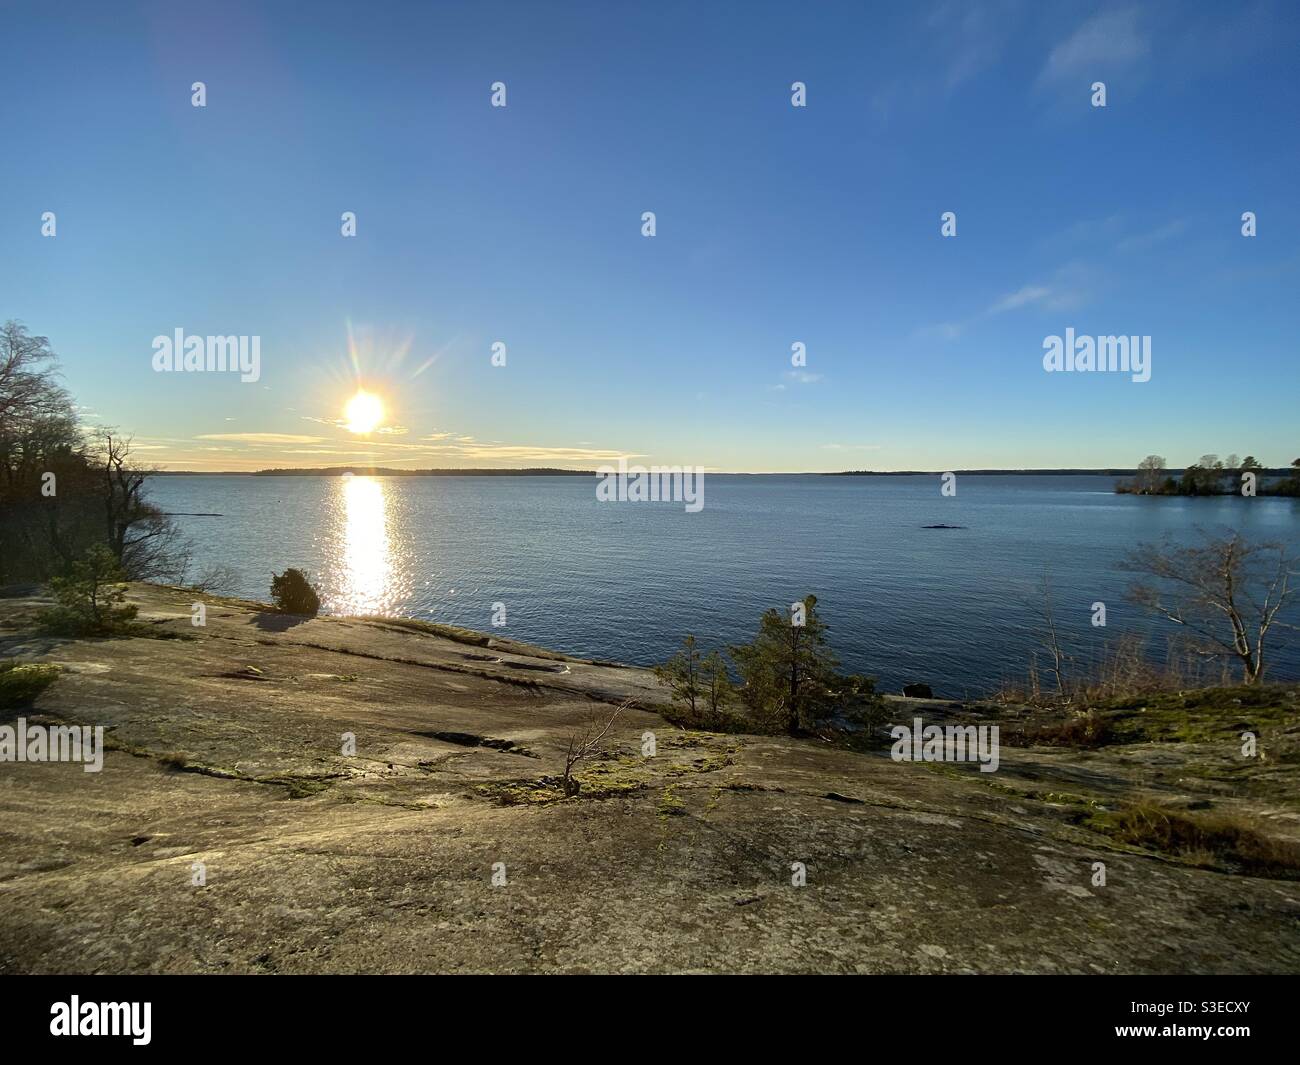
[1212, 476]
[1221, 600]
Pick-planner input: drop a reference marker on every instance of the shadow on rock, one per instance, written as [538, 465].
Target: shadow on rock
[272, 622]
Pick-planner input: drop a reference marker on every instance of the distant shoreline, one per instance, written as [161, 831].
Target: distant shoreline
[385, 471]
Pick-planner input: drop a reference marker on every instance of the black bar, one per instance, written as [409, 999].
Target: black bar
[242, 1015]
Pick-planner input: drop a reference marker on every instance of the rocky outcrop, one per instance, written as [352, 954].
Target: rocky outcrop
[383, 797]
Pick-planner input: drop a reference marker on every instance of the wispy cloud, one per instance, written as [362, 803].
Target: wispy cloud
[1104, 42]
[972, 36]
[261, 438]
[260, 450]
[531, 453]
[341, 423]
[1069, 287]
[1118, 232]
[1022, 297]
[1143, 241]
[961, 41]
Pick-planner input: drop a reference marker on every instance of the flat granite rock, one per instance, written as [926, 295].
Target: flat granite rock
[443, 844]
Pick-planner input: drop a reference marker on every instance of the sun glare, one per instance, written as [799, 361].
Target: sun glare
[364, 412]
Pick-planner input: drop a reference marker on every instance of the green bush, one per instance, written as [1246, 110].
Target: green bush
[790, 683]
[788, 671]
[91, 598]
[21, 682]
[292, 593]
[858, 701]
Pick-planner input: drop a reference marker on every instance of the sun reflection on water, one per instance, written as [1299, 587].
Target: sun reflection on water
[364, 578]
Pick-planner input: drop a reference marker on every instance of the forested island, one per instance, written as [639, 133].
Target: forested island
[1212, 476]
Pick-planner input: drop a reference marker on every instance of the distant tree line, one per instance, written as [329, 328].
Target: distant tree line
[1209, 476]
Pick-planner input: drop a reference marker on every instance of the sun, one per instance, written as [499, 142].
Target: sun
[363, 413]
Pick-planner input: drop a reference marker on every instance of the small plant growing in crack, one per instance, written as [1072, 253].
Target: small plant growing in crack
[584, 741]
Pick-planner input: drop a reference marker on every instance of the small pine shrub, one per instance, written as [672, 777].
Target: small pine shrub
[90, 597]
[292, 593]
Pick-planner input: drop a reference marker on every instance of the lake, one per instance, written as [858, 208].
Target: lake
[956, 608]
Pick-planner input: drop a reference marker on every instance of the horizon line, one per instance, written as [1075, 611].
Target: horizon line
[535, 471]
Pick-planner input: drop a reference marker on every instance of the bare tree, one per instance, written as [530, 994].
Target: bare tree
[1150, 473]
[39, 439]
[1052, 642]
[62, 490]
[143, 538]
[585, 740]
[219, 579]
[27, 387]
[1227, 594]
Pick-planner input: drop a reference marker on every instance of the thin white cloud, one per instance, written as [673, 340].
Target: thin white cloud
[1106, 41]
[531, 453]
[1070, 287]
[1142, 241]
[261, 438]
[1021, 298]
[341, 423]
[972, 36]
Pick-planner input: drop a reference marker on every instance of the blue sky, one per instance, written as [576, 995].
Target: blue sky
[775, 224]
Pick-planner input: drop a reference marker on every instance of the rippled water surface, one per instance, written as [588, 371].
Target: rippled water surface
[954, 607]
